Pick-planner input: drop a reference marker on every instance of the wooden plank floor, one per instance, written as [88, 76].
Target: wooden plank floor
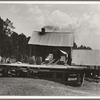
[44, 66]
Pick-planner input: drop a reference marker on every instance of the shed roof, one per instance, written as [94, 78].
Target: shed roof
[86, 57]
[63, 39]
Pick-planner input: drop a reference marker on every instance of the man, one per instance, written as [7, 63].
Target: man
[64, 57]
[49, 58]
[56, 55]
[60, 56]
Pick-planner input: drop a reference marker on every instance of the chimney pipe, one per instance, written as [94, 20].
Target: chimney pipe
[42, 31]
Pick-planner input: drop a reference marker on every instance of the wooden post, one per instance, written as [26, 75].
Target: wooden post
[63, 76]
[98, 71]
[54, 75]
[28, 72]
[30, 50]
[71, 56]
[94, 72]
[5, 72]
[80, 78]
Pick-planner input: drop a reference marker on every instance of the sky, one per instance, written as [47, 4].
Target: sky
[82, 19]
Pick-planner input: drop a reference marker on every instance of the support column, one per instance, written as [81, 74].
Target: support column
[98, 71]
[5, 72]
[54, 75]
[28, 72]
[30, 50]
[63, 77]
[80, 78]
[94, 72]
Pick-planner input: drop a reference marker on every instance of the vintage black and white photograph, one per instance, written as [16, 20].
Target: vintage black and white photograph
[50, 49]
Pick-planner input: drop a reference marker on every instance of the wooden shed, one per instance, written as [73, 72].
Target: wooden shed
[86, 57]
[90, 58]
[42, 43]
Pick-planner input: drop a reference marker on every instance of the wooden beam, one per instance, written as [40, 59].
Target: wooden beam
[30, 50]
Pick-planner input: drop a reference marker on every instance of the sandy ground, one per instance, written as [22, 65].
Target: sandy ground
[40, 87]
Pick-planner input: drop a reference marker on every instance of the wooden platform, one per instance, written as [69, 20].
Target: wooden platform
[44, 66]
[64, 73]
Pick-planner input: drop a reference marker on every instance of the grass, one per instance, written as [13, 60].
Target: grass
[40, 87]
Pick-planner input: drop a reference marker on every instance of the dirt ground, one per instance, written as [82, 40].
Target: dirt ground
[40, 87]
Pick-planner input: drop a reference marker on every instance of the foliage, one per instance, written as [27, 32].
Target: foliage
[81, 47]
[12, 43]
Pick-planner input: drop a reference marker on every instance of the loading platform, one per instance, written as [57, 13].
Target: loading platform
[65, 72]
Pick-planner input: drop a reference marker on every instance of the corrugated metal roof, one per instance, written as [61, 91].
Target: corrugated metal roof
[86, 57]
[52, 39]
